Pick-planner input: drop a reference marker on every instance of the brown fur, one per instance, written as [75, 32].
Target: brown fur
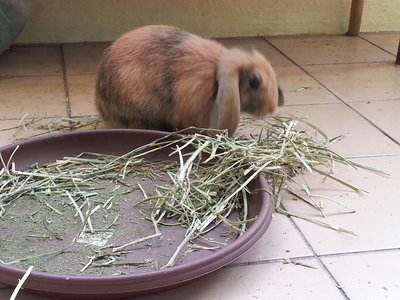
[161, 77]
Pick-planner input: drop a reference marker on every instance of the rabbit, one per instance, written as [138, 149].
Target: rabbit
[164, 78]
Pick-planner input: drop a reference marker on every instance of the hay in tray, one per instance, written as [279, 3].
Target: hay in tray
[207, 183]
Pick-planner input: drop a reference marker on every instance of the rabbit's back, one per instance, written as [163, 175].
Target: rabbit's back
[158, 77]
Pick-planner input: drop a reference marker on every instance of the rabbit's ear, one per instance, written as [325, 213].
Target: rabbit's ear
[225, 112]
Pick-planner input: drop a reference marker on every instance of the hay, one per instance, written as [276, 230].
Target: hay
[209, 182]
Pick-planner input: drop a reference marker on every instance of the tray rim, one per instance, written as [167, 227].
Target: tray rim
[95, 286]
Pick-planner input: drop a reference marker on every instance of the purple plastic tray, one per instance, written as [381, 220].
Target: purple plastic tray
[49, 148]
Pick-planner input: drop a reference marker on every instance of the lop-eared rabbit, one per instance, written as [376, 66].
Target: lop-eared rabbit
[164, 78]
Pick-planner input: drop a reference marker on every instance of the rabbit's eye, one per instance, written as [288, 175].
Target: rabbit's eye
[254, 83]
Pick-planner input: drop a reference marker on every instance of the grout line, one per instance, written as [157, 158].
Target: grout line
[372, 123]
[264, 262]
[313, 104]
[29, 76]
[331, 92]
[340, 103]
[82, 73]
[349, 63]
[325, 268]
[374, 100]
[314, 256]
[38, 45]
[42, 117]
[335, 281]
[360, 252]
[336, 103]
[44, 75]
[65, 80]
[376, 45]
[307, 257]
[52, 117]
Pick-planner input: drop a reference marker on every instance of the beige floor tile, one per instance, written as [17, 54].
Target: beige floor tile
[360, 82]
[335, 120]
[31, 61]
[300, 88]
[81, 94]
[343, 70]
[281, 240]
[83, 58]
[387, 41]
[283, 281]
[376, 218]
[384, 114]
[7, 130]
[306, 50]
[263, 281]
[41, 96]
[12, 131]
[276, 58]
[367, 276]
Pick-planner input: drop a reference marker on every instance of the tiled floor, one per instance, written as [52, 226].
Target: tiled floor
[345, 86]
